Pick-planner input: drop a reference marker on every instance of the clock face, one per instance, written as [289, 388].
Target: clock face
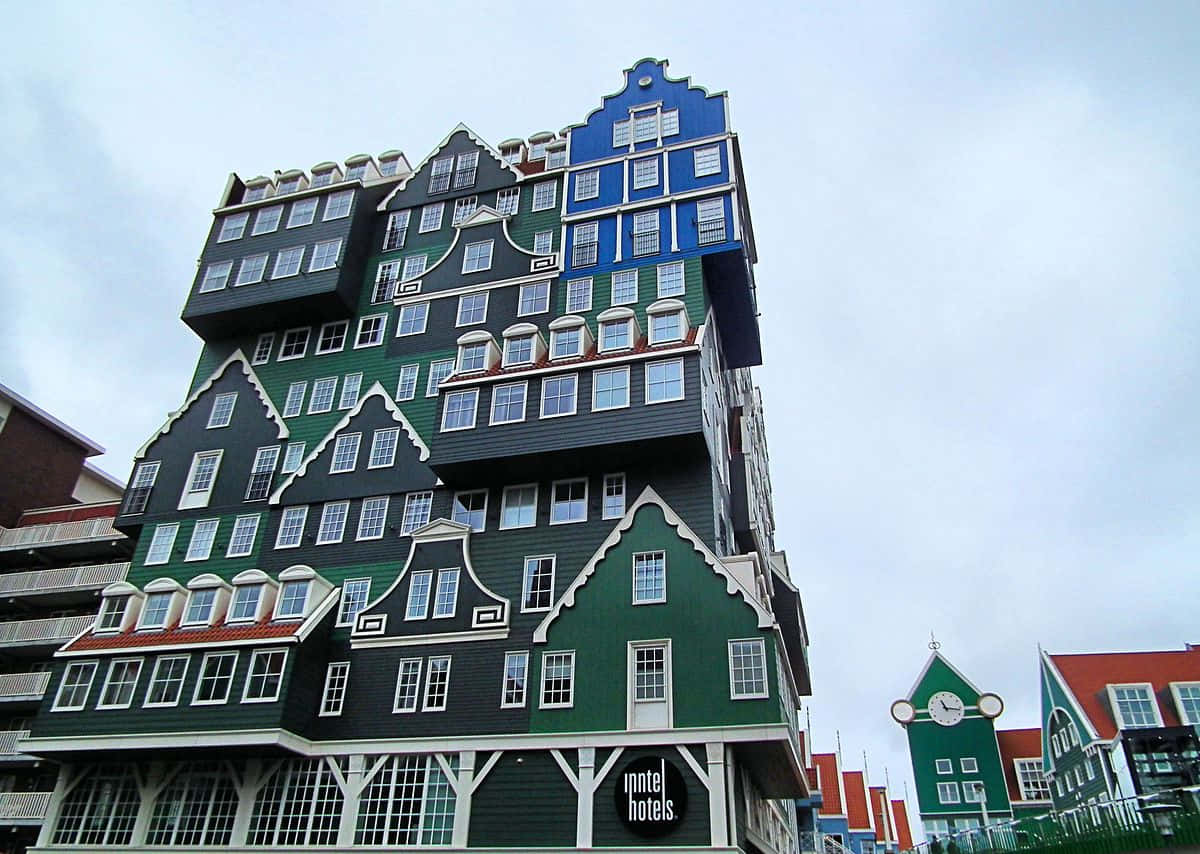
[990, 705]
[903, 711]
[945, 708]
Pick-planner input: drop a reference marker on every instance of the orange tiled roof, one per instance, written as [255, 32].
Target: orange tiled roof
[826, 765]
[857, 811]
[879, 811]
[208, 635]
[1017, 744]
[903, 832]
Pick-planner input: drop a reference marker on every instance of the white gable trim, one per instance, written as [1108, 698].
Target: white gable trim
[437, 149]
[264, 398]
[766, 619]
[929, 663]
[1052, 670]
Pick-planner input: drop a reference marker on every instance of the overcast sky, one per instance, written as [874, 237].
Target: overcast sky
[978, 256]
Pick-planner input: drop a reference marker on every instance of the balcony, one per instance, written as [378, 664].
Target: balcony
[23, 687]
[51, 631]
[61, 541]
[62, 584]
[23, 807]
[9, 741]
[584, 254]
[645, 243]
[711, 231]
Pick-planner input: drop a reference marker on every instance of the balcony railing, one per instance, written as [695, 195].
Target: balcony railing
[30, 806]
[712, 231]
[9, 739]
[58, 532]
[645, 243]
[49, 630]
[20, 686]
[92, 576]
[584, 254]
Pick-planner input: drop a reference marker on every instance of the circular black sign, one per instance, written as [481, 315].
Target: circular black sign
[650, 796]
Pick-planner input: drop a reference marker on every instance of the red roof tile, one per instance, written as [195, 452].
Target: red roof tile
[1017, 744]
[1089, 674]
[831, 792]
[879, 810]
[900, 820]
[214, 635]
[813, 785]
[856, 801]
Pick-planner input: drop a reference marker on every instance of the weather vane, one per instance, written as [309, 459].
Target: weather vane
[933, 644]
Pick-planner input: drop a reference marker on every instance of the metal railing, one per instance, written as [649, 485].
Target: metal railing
[51, 629]
[645, 243]
[58, 532]
[712, 231]
[584, 254]
[22, 685]
[9, 739]
[90, 576]
[24, 805]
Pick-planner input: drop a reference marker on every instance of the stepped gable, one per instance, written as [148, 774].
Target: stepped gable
[375, 411]
[436, 548]
[493, 173]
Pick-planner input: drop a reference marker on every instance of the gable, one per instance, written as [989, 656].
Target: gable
[939, 674]
[508, 261]
[492, 173]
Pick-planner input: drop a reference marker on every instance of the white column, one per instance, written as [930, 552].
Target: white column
[462, 799]
[586, 797]
[247, 788]
[351, 791]
[62, 786]
[620, 236]
[718, 827]
[148, 791]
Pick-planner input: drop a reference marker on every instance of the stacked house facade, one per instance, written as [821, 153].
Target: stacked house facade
[844, 814]
[462, 536]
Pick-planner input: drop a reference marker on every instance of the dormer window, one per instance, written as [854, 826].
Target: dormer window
[667, 321]
[154, 612]
[537, 151]
[288, 185]
[569, 337]
[112, 613]
[253, 596]
[292, 598]
[200, 607]
[322, 179]
[356, 171]
[256, 193]
[472, 357]
[1187, 700]
[522, 345]
[556, 158]
[245, 602]
[511, 153]
[389, 167]
[618, 330]
[1134, 706]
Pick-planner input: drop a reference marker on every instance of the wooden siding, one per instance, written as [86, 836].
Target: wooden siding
[490, 176]
[532, 784]
[607, 828]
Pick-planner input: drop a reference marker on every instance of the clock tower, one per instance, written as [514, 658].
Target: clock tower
[952, 743]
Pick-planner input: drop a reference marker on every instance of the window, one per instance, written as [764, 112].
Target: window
[645, 127]
[533, 299]
[302, 213]
[472, 357]
[431, 217]
[650, 672]
[464, 169]
[161, 544]
[666, 326]
[670, 279]
[293, 597]
[241, 541]
[1134, 705]
[166, 681]
[292, 457]
[200, 607]
[472, 308]
[544, 195]
[333, 522]
[649, 578]
[747, 669]
[246, 599]
[463, 209]
[706, 161]
[568, 501]
[154, 612]
[439, 369]
[251, 270]
[518, 350]
[216, 675]
[216, 276]
[332, 337]
[397, 230]
[412, 319]
[255, 193]
[446, 601]
[610, 388]
[565, 343]
[295, 399]
[616, 334]
[408, 684]
[511, 155]
[543, 242]
[370, 331]
[1187, 700]
[351, 384]
[556, 158]
[645, 233]
[287, 185]
[75, 687]
[508, 403]
[537, 589]
[261, 473]
[120, 683]
[477, 257]
[624, 287]
[587, 185]
[406, 387]
[112, 613]
[337, 677]
[670, 122]
[507, 201]
[516, 676]
[322, 396]
[948, 793]
[383, 448]
[710, 221]
[325, 255]
[437, 684]
[262, 348]
[417, 508]
[414, 265]
[969, 765]
[645, 173]
[291, 527]
[622, 133]
[944, 766]
[355, 594]
[585, 247]
[418, 595]
[558, 680]
[372, 518]
[267, 220]
[345, 453]
[614, 496]
[203, 535]
[338, 205]
[459, 413]
[558, 396]
[295, 344]
[470, 508]
[579, 295]
[200, 479]
[232, 227]
[518, 506]
[143, 483]
[265, 676]
[664, 381]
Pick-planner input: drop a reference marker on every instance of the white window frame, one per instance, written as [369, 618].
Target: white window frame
[510, 343]
[281, 600]
[681, 317]
[473, 298]
[349, 599]
[58, 705]
[620, 369]
[426, 704]
[250, 272]
[455, 503]
[196, 701]
[948, 793]
[1150, 698]
[554, 499]
[293, 455]
[137, 677]
[585, 286]
[204, 535]
[523, 657]
[329, 514]
[416, 607]
[557, 334]
[192, 498]
[587, 185]
[375, 338]
[464, 209]
[231, 616]
[632, 648]
[627, 322]
[216, 272]
[389, 435]
[288, 253]
[446, 578]
[204, 601]
[406, 383]
[405, 317]
[521, 312]
[338, 325]
[432, 387]
[425, 496]
[263, 348]
[701, 166]
[317, 253]
[158, 663]
[300, 209]
[354, 439]
[359, 536]
[1180, 708]
[542, 416]
[943, 766]
[428, 221]
[254, 656]
[604, 513]
[332, 212]
[569, 655]
[507, 207]
[527, 583]
[462, 394]
[233, 227]
[762, 652]
[670, 266]
[351, 389]
[540, 190]
[649, 166]
[524, 386]
[504, 505]
[682, 382]
[416, 694]
[548, 237]
[169, 544]
[414, 266]
[612, 287]
[969, 764]
[337, 684]
[633, 567]
[323, 394]
[283, 344]
[300, 512]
